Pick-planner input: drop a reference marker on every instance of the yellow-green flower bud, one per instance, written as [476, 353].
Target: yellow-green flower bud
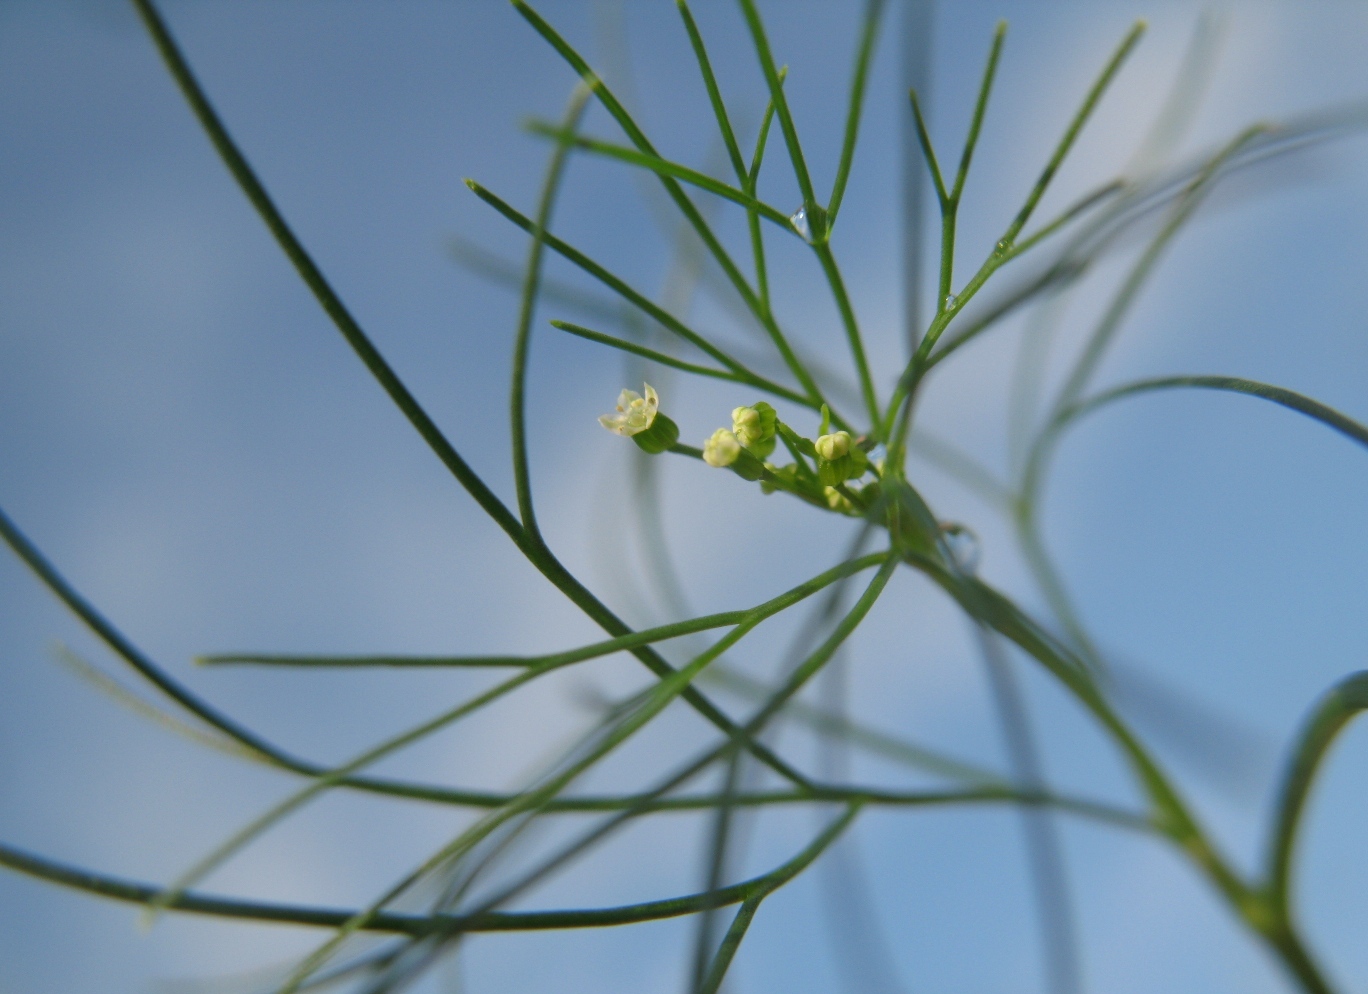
[722, 449]
[839, 459]
[754, 428]
[639, 419]
[834, 446]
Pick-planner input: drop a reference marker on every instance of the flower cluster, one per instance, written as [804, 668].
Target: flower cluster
[821, 471]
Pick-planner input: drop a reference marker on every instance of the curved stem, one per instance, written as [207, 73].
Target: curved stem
[517, 402]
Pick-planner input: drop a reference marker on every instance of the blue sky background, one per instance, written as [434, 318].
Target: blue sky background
[190, 441]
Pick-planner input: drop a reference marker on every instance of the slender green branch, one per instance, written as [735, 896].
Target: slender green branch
[646, 305]
[717, 971]
[1080, 118]
[313, 277]
[781, 108]
[1139, 274]
[134, 657]
[1290, 399]
[899, 406]
[638, 138]
[522, 341]
[420, 925]
[852, 330]
[697, 222]
[980, 108]
[666, 174]
[750, 379]
[869, 34]
[532, 800]
[1171, 813]
[1344, 702]
[664, 167]
[618, 286]
[661, 696]
[950, 201]
[536, 551]
[634, 640]
[752, 181]
[714, 93]
[928, 150]
[646, 636]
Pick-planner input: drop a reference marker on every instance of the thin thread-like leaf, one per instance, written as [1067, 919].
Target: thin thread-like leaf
[980, 108]
[522, 339]
[927, 148]
[664, 167]
[781, 107]
[1343, 703]
[869, 34]
[1071, 133]
[508, 921]
[313, 276]
[638, 138]
[130, 653]
[1290, 399]
[671, 361]
[135, 703]
[659, 697]
[714, 92]
[711, 982]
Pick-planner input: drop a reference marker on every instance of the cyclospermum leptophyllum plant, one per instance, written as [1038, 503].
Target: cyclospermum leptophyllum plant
[854, 466]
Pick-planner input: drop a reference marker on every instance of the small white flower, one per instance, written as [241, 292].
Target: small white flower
[722, 449]
[834, 446]
[635, 413]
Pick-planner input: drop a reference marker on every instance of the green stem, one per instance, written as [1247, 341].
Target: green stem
[529, 544]
[419, 925]
[852, 330]
[869, 33]
[555, 170]
[781, 107]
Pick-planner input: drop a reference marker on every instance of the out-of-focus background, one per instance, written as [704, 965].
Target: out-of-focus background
[190, 441]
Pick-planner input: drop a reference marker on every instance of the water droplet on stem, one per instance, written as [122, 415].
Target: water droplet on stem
[963, 546]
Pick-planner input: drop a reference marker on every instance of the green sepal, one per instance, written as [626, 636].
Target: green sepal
[748, 467]
[762, 450]
[656, 439]
[850, 466]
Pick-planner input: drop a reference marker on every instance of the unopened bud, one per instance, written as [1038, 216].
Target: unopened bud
[754, 428]
[838, 459]
[834, 446]
[722, 449]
